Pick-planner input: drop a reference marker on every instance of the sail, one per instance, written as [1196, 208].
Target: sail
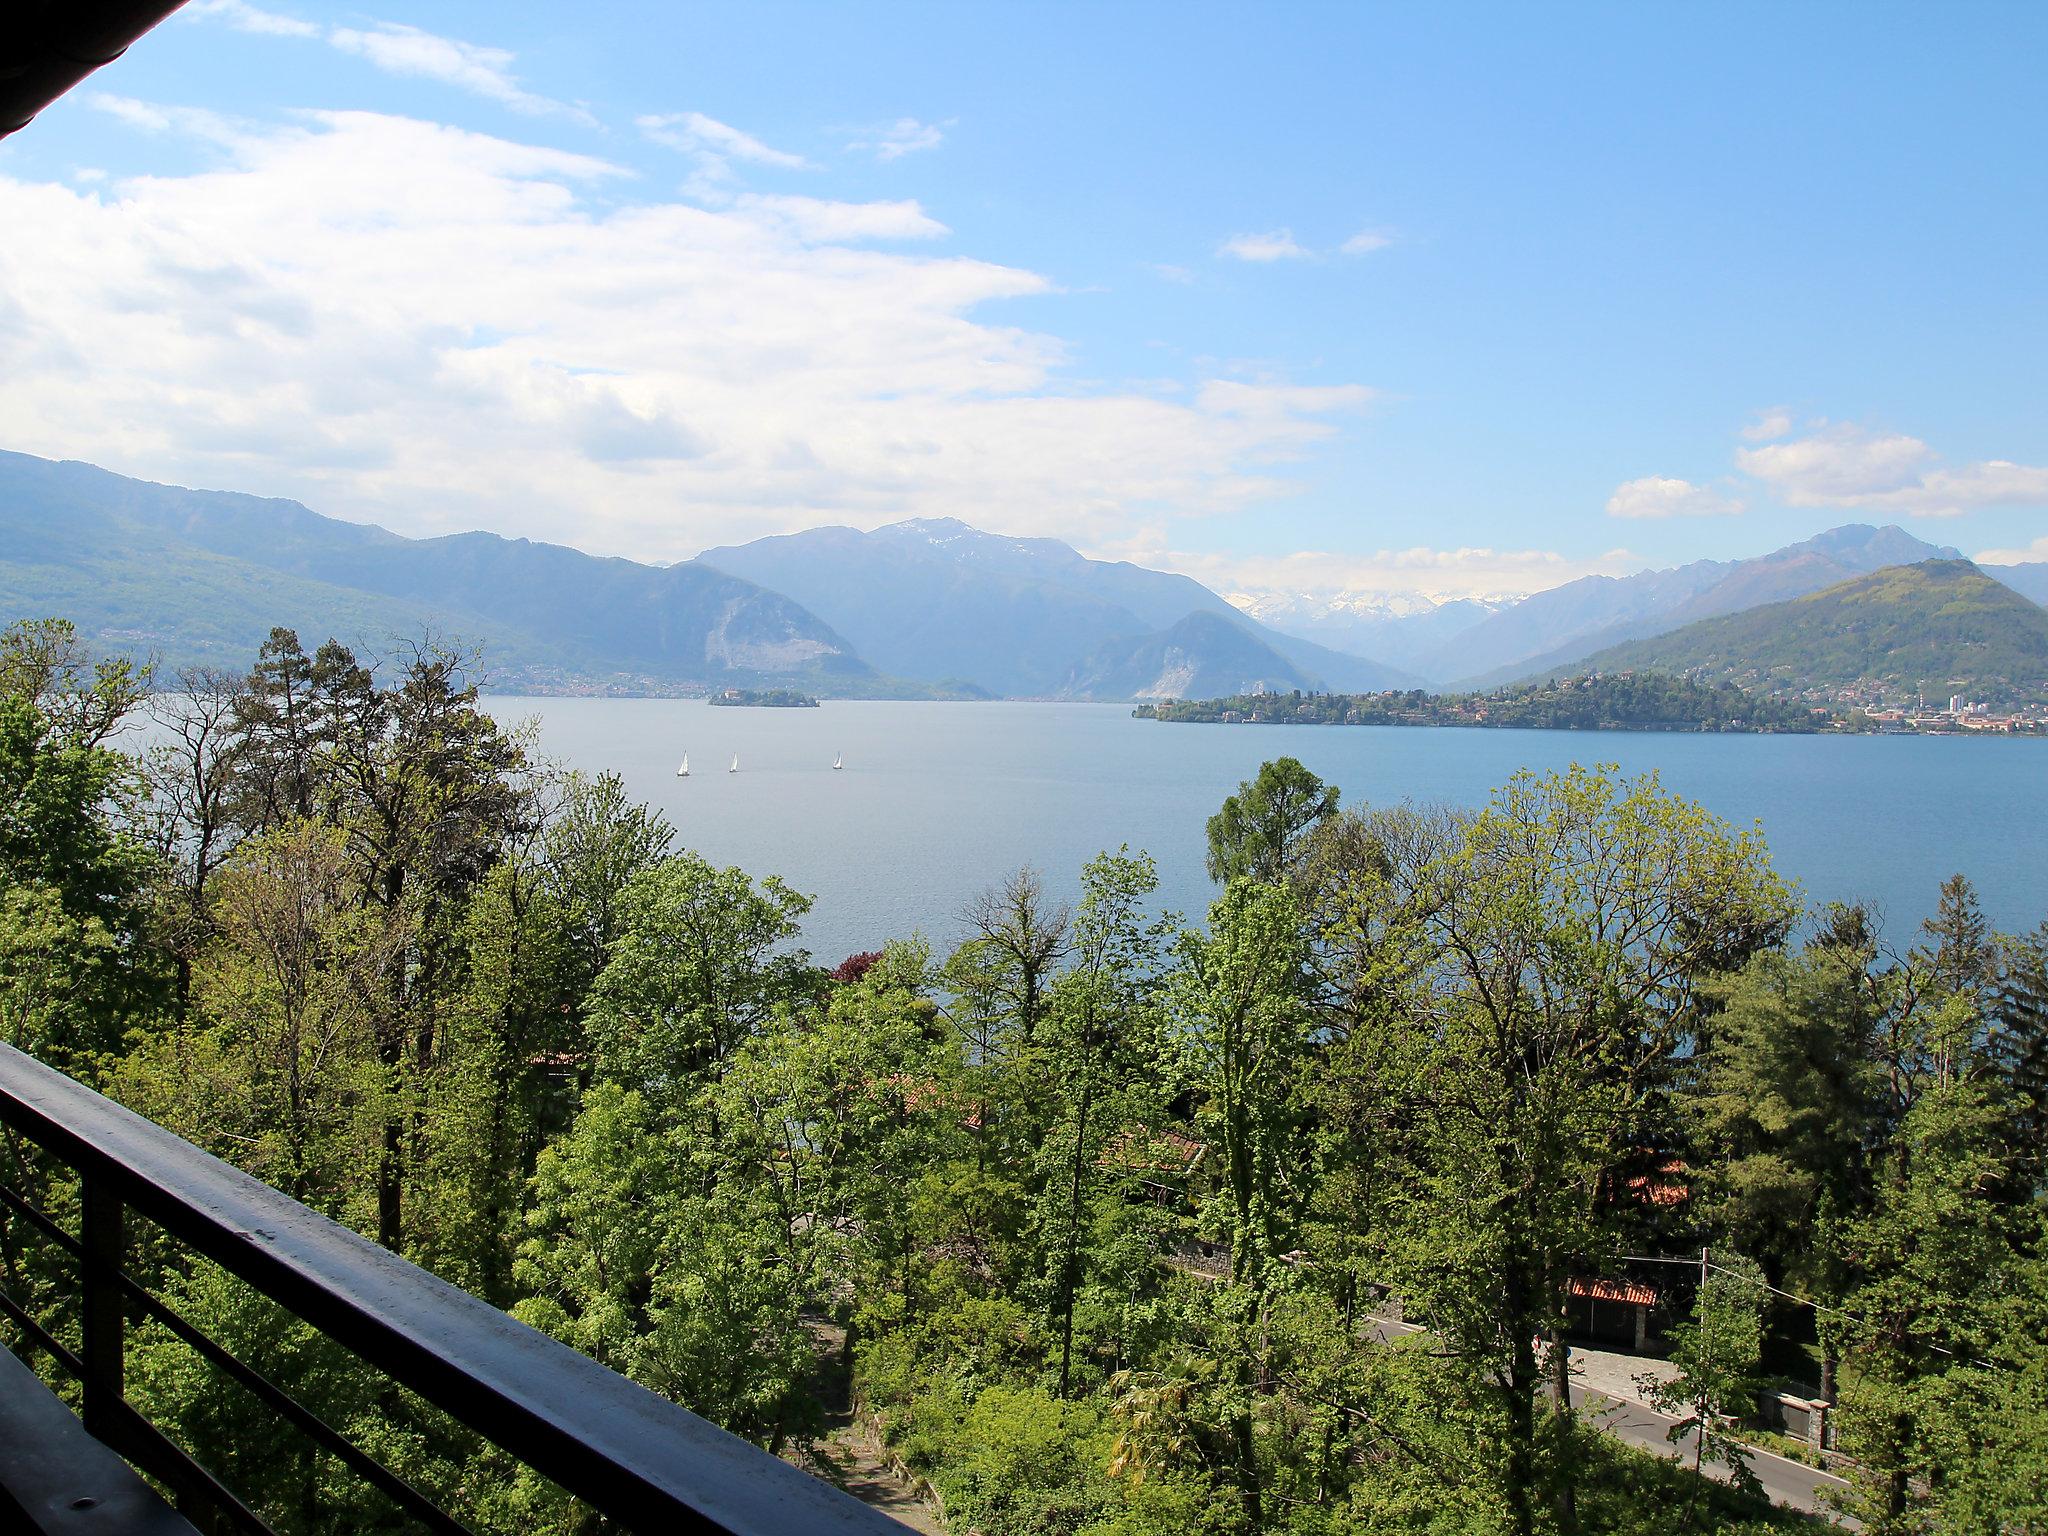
[683, 772]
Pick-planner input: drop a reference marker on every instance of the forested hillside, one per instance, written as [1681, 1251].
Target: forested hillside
[1556, 628]
[1939, 627]
[1109, 1212]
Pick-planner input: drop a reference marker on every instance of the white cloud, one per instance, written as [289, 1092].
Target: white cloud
[1438, 574]
[473, 67]
[2026, 554]
[399, 49]
[148, 117]
[1365, 242]
[712, 147]
[693, 132]
[905, 136]
[1843, 465]
[822, 221]
[1171, 273]
[1769, 425]
[436, 329]
[1663, 496]
[244, 17]
[1273, 245]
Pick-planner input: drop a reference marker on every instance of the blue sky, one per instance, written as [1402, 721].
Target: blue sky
[1303, 297]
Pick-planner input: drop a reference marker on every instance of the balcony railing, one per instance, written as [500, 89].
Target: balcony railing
[628, 1453]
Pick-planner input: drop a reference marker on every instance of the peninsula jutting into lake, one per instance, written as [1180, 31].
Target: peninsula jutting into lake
[1629, 701]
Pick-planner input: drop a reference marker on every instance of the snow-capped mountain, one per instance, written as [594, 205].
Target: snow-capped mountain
[1397, 627]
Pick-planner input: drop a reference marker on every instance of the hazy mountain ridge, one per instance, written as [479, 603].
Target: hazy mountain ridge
[1202, 656]
[201, 576]
[927, 606]
[926, 609]
[2029, 580]
[1402, 629]
[1571, 622]
[935, 597]
[1939, 626]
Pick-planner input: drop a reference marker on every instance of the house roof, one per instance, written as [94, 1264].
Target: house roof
[1634, 1292]
[1664, 1186]
[1168, 1152]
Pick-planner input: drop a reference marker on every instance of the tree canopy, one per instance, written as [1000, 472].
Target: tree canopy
[1104, 1221]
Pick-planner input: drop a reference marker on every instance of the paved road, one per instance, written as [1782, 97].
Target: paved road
[1608, 1403]
[1790, 1483]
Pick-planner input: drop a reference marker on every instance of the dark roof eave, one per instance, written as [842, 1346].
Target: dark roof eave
[46, 48]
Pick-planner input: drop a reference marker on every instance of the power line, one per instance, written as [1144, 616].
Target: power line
[1805, 1301]
[1851, 1316]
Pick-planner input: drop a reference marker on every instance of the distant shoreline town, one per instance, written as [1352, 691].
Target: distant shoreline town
[1599, 702]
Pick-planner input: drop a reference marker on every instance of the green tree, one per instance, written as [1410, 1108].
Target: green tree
[596, 842]
[1718, 1355]
[1955, 967]
[1555, 967]
[1944, 1292]
[1984, 1425]
[1103, 1032]
[507, 1078]
[1020, 937]
[426, 791]
[1238, 1010]
[2020, 1044]
[277, 1068]
[277, 736]
[698, 965]
[1786, 1109]
[686, 1243]
[1263, 829]
[1239, 1013]
[78, 967]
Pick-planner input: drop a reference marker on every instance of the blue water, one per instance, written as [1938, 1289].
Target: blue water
[938, 801]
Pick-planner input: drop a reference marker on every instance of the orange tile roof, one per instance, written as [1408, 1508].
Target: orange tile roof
[1633, 1292]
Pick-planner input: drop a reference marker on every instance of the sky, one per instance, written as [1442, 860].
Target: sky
[1396, 298]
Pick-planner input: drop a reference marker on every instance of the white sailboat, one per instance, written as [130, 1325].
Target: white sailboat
[838, 762]
[683, 772]
[735, 768]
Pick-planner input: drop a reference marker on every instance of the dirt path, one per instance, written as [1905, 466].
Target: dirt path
[850, 1456]
[849, 1453]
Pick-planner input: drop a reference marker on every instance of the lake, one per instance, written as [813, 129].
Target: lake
[939, 801]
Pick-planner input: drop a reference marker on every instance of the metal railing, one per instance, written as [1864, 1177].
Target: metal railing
[628, 1453]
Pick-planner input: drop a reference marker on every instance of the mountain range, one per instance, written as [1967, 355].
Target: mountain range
[923, 608]
[2030, 580]
[1402, 629]
[940, 609]
[200, 577]
[934, 598]
[1934, 628]
[1554, 628]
